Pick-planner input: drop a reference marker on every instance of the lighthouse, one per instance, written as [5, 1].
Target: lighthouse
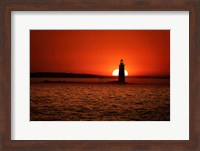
[121, 76]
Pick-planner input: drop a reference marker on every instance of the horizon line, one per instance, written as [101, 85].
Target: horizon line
[164, 75]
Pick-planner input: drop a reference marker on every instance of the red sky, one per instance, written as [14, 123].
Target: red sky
[145, 52]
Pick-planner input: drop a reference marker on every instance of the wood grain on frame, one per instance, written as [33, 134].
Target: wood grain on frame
[6, 6]
[1, 84]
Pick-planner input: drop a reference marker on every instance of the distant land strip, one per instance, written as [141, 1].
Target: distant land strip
[63, 75]
[82, 75]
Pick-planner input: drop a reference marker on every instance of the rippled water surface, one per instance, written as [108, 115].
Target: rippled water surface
[99, 102]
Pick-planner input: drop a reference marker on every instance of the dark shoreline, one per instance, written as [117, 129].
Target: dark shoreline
[83, 75]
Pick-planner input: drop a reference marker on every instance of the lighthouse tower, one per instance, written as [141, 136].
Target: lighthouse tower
[121, 77]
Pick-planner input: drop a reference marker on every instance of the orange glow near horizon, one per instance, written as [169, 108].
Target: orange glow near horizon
[145, 52]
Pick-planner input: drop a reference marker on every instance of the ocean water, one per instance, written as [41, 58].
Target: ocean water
[143, 100]
[131, 80]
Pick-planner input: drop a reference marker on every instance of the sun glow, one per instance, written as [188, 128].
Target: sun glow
[116, 72]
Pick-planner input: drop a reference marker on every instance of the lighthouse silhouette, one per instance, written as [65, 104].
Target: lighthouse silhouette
[121, 76]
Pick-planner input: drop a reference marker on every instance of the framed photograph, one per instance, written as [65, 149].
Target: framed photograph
[73, 75]
[93, 75]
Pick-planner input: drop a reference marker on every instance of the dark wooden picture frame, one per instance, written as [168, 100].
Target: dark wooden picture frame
[7, 6]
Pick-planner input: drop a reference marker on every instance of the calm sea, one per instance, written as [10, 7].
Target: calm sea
[95, 99]
[137, 80]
